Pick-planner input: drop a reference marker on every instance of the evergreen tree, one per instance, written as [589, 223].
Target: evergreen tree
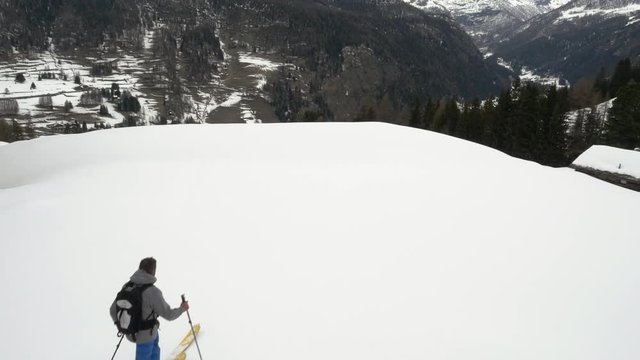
[489, 122]
[623, 127]
[367, 113]
[577, 137]
[6, 131]
[439, 121]
[30, 131]
[553, 139]
[463, 128]
[416, 115]
[476, 121]
[17, 133]
[523, 123]
[635, 72]
[601, 85]
[500, 129]
[428, 114]
[593, 127]
[104, 111]
[621, 77]
[68, 106]
[451, 116]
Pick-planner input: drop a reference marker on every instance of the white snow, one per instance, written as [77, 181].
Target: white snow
[611, 159]
[505, 64]
[632, 20]
[315, 241]
[527, 74]
[249, 115]
[521, 9]
[263, 65]
[255, 61]
[114, 118]
[261, 80]
[232, 100]
[2, 143]
[148, 40]
[583, 11]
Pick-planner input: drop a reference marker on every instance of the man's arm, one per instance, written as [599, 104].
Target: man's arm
[160, 306]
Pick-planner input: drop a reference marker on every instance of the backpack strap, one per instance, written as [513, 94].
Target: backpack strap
[150, 322]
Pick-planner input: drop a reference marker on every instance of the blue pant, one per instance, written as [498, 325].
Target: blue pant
[149, 350]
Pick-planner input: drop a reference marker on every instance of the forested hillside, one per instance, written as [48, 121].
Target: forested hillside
[546, 124]
[349, 56]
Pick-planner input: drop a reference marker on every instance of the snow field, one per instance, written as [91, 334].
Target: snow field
[315, 241]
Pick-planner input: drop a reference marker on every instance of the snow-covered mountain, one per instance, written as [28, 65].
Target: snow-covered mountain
[579, 9]
[484, 18]
[560, 38]
[577, 39]
[315, 241]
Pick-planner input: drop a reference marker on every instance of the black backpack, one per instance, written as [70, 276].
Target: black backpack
[129, 310]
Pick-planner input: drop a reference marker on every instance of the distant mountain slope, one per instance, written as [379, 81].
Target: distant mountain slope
[344, 58]
[484, 19]
[363, 54]
[576, 39]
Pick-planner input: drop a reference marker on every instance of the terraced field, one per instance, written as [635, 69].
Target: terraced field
[233, 95]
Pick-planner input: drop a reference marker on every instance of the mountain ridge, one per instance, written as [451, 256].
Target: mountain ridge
[484, 19]
[576, 39]
[321, 46]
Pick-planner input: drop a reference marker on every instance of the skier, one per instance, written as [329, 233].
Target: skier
[153, 306]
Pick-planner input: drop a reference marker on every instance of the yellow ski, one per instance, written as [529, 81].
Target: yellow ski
[179, 352]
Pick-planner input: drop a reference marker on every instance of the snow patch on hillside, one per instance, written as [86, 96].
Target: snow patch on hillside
[527, 74]
[261, 63]
[520, 9]
[583, 11]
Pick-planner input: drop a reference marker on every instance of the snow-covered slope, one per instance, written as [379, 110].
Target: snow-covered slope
[519, 9]
[483, 18]
[578, 9]
[315, 241]
[577, 39]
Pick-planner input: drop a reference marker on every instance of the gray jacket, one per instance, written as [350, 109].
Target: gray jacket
[152, 303]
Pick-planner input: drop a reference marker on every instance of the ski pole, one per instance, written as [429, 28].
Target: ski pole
[117, 346]
[192, 331]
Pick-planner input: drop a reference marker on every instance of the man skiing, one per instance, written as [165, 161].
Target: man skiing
[153, 306]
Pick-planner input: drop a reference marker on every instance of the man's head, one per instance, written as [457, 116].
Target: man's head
[148, 265]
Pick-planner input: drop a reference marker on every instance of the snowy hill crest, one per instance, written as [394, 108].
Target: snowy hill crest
[292, 243]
